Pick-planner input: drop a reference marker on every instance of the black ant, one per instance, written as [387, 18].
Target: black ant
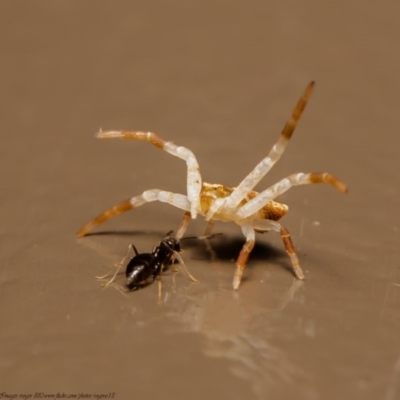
[144, 268]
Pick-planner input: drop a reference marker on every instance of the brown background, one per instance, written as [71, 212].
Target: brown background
[220, 77]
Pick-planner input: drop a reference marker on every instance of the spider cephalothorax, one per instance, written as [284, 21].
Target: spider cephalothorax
[252, 211]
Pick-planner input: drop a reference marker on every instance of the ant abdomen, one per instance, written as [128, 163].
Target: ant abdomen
[139, 270]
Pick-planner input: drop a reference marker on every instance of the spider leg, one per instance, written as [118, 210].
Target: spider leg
[266, 225]
[255, 176]
[177, 200]
[194, 182]
[249, 233]
[209, 228]
[285, 184]
[183, 226]
[207, 234]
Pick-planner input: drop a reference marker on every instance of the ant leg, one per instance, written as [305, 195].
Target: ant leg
[174, 280]
[119, 266]
[249, 233]
[103, 277]
[159, 297]
[180, 260]
[159, 280]
[266, 225]
[262, 199]
[194, 183]
[174, 199]
[255, 176]
[108, 283]
[183, 226]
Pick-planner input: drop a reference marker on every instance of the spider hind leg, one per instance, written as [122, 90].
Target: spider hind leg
[249, 233]
[289, 247]
[265, 225]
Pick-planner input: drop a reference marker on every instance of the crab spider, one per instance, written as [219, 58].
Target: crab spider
[252, 211]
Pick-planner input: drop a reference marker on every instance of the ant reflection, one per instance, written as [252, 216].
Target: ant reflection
[143, 268]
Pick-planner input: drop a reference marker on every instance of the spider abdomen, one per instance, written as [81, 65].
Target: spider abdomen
[273, 211]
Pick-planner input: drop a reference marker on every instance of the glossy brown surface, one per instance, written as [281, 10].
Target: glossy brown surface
[220, 78]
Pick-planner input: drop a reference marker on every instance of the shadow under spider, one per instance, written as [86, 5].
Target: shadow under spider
[225, 248]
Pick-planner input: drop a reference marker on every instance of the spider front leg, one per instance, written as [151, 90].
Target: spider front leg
[174, 199]
[207, 234]
[255, 176]
[183, 226]
[194, 182]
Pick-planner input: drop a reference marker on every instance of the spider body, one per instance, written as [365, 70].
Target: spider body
[252, 211]
[212, 192]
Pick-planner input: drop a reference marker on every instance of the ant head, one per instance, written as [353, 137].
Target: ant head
[172, 243]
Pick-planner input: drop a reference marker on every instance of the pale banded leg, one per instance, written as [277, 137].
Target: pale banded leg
[207, 234]
[183, 226]
[274, 155]
[267, 225]
[177, 200]
[194, 182]
[209, 228]
[249, 233]
[285, 184]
